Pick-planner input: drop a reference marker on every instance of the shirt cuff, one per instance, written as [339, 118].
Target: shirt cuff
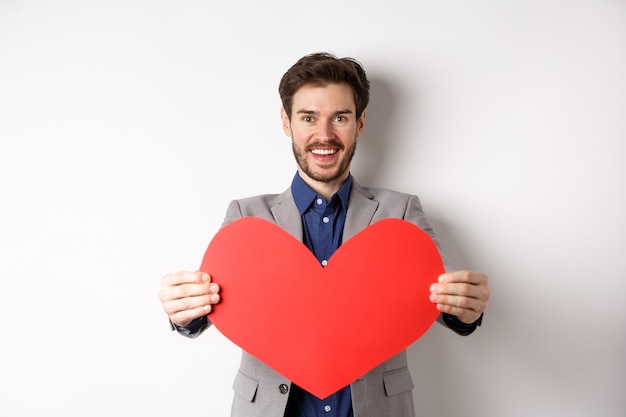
[193, 329]
[459, 327]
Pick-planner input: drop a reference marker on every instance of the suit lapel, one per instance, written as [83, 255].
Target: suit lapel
[287, 215]
[361, 210]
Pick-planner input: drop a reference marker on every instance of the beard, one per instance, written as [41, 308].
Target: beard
[342, 167]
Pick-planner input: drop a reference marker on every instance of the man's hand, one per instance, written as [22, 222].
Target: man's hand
[188, 295]
[463, 294]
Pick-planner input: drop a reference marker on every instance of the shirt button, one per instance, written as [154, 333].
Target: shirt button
[324, 262]
[283, 388]
[319, 201]
[327, 408]
[325, 219]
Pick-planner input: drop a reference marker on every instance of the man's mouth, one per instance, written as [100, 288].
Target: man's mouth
[323, 151]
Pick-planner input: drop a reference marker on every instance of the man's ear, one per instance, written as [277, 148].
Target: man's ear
[360, 124]
[285, 122]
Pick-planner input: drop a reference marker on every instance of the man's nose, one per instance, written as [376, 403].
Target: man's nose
[326, 130]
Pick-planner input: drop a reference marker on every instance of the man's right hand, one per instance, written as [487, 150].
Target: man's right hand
[188, 295]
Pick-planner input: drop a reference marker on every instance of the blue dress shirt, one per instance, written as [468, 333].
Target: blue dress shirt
[323, 224]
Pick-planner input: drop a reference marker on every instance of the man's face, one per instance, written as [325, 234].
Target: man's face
[324, 130]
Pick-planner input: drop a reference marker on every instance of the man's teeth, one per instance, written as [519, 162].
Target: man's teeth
[324, 151]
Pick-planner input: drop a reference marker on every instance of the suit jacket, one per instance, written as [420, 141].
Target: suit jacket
[385, 391]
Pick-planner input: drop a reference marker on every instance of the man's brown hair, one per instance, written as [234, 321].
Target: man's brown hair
[321, 69]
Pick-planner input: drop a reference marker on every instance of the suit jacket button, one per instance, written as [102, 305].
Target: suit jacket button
[283, 388]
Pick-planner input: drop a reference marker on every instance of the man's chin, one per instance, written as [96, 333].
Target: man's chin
[326, 176]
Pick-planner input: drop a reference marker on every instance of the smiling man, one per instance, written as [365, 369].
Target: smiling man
[324, 131]
[324, 101]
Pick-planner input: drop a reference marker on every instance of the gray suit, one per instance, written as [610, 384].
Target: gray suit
[385, 391]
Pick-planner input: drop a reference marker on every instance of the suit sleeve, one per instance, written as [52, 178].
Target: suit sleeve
[415, 214]
[199, 325]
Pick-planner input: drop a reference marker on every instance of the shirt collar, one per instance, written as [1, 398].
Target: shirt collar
[304, 195]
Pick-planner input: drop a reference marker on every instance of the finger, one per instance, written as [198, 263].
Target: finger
[186, 304]
[190, 290]
[471, 277]
[465, 315]
[183, 318]
[464, 308]
[459, 301]
[184, 277]
[479, 292]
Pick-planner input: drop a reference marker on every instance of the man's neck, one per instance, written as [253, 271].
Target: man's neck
[323, 188]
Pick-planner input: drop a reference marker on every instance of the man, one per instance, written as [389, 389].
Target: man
[324, 102]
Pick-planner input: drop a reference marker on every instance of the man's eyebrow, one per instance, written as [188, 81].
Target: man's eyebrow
[338, 112]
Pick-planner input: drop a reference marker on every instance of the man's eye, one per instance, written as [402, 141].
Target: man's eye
[340, 119]
[307, 118]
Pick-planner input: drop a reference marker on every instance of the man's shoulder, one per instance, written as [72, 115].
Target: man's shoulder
[383, 194]
[262, 199]
[265, 206]
[390, 203]
[258, 205]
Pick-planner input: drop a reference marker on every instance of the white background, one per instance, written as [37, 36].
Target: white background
[127, 126]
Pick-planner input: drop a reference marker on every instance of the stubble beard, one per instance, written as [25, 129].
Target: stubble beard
[343, 166]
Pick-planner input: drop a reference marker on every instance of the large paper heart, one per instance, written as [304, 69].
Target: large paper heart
[323, 327]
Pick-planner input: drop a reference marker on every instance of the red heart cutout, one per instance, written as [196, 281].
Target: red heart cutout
[322, 328]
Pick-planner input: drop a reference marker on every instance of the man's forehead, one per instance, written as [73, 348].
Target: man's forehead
[330, 97]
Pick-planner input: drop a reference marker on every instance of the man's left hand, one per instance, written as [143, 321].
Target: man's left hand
[463, 294]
